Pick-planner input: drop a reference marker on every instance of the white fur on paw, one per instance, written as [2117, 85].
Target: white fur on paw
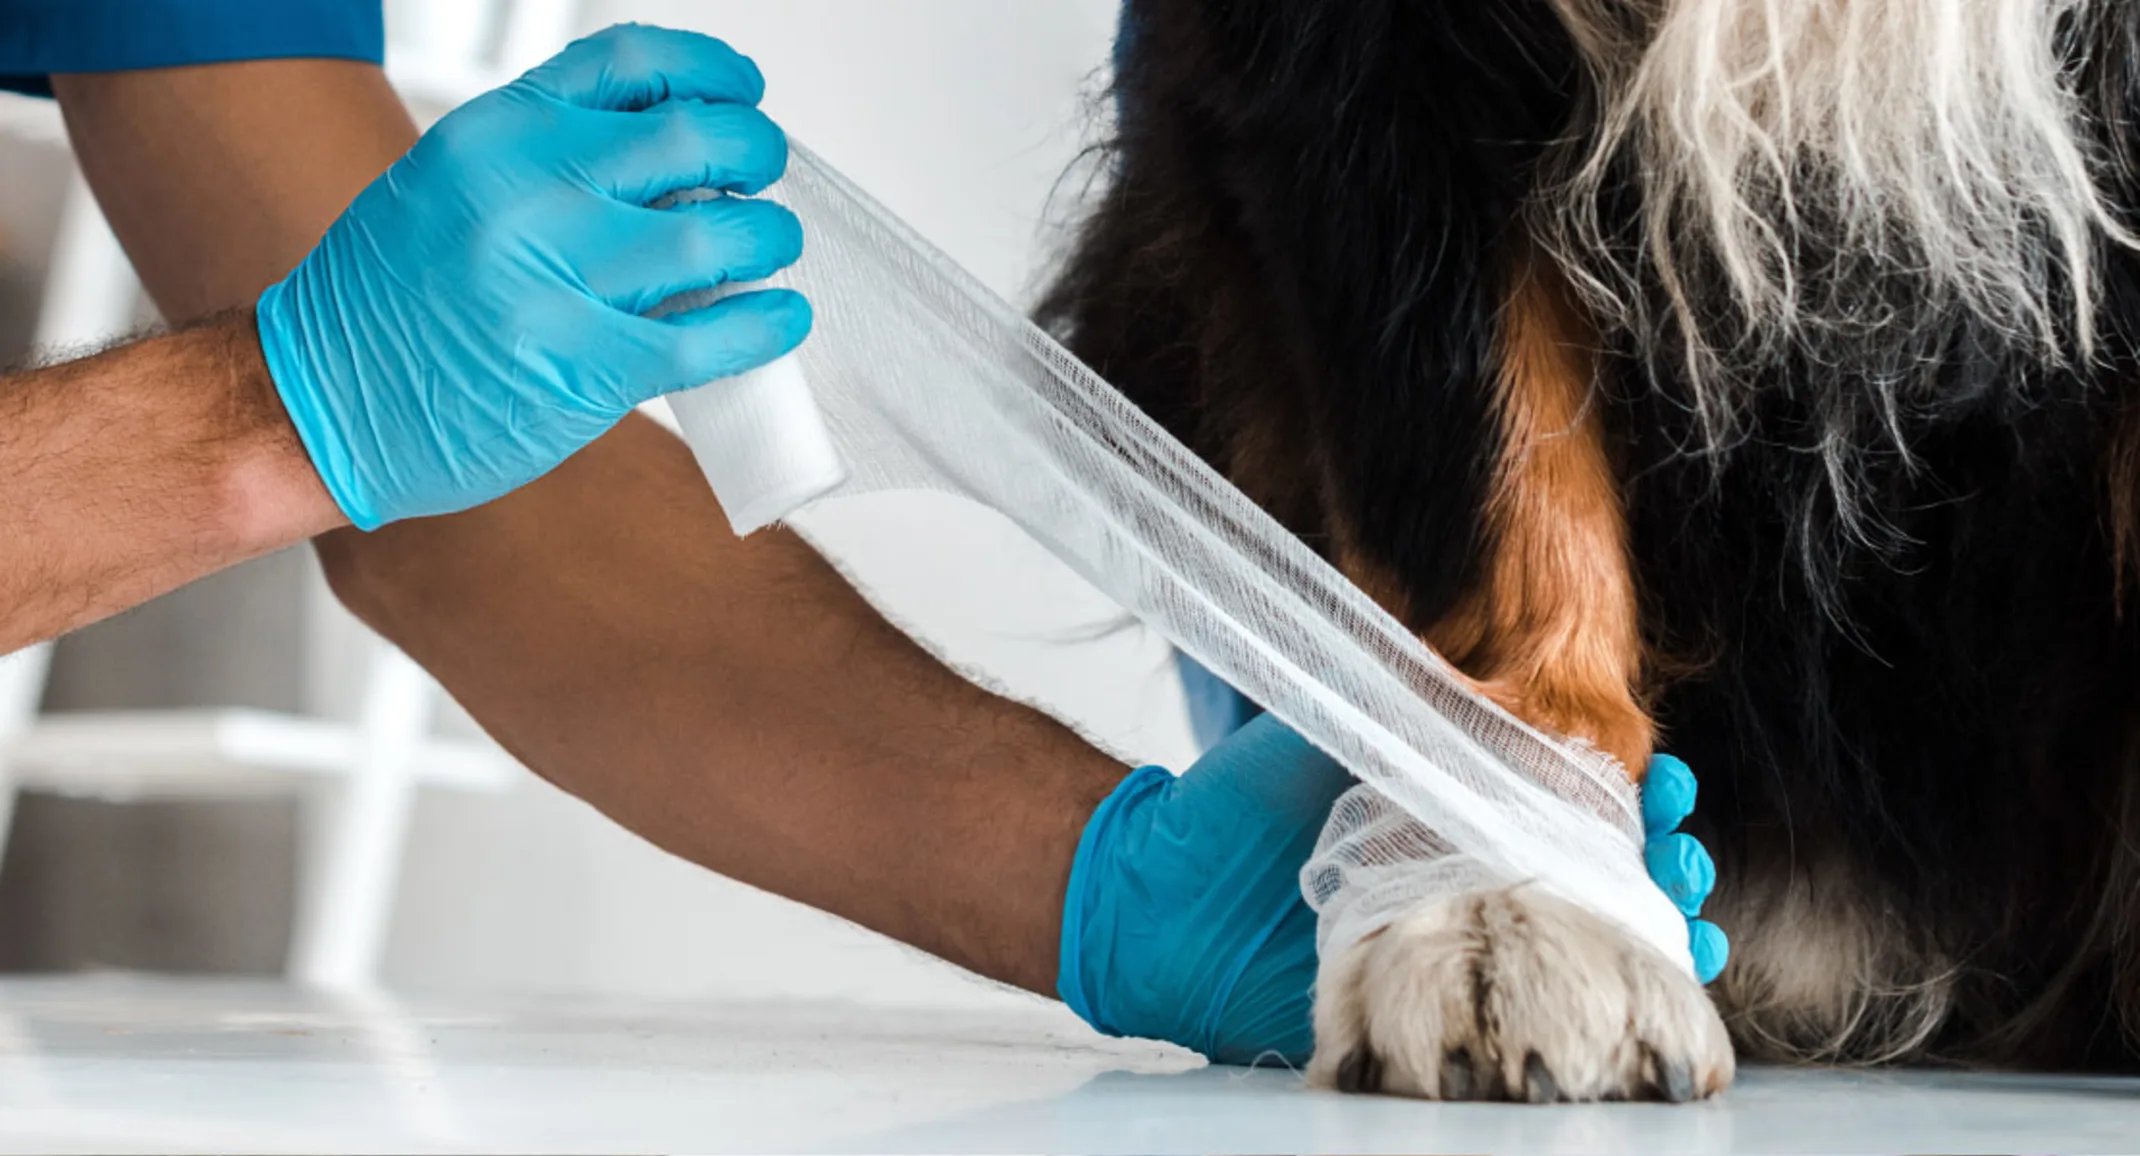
[1514, 994]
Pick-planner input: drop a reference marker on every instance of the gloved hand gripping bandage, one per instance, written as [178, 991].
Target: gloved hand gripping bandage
[923, 379]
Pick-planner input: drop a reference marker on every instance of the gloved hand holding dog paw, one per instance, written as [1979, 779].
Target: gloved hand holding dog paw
[1184, 919]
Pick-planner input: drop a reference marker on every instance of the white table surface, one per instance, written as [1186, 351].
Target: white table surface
[117, 1063]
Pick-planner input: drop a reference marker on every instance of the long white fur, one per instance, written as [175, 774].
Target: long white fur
[1938, 138]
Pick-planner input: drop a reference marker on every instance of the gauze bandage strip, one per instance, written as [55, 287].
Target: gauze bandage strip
[922, 379]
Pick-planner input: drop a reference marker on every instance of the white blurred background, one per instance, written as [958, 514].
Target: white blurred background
[962, 116]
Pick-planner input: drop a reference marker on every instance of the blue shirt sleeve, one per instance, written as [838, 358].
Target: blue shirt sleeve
[41, 37]
[1215, 709]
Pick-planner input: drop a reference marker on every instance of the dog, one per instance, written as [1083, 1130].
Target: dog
[1752, 379]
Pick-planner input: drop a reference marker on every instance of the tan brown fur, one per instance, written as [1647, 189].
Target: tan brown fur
[1551, 633]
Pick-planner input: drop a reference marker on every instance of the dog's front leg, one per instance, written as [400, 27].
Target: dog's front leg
[1514, 993]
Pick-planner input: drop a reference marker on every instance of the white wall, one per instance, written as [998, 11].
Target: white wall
[961, 115]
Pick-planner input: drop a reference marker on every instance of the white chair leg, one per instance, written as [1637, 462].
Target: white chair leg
[346, 900]
[22, 687]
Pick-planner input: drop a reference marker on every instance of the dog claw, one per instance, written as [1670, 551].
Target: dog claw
[1672, 1080]
[1539, 1086]
[1459, 1080]
[1361, 1071]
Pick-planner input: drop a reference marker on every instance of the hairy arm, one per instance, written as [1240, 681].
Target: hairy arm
[732, 701]
[736, 703]
[140, 469]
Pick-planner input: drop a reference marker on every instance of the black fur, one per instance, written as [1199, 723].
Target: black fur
[1263, 281]
[1296, 269]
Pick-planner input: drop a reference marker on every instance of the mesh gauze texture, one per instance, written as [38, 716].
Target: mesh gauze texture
[926, 380]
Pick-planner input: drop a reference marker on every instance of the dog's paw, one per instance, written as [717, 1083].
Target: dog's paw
[1514, 994]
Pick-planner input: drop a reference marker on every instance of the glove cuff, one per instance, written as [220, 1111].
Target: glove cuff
[1071, 982]
[302, 400]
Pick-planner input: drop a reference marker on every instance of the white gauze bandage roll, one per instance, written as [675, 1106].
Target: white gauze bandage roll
[916, 377]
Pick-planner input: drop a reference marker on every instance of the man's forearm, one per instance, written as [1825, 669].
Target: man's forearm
[136, 471]
[133, 472]
[736, 703]
[732, 701]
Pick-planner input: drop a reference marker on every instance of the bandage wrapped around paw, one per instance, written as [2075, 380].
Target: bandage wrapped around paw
[1375, 862]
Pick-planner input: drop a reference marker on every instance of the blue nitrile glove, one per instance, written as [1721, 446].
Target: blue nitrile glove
[1678, 862]
[1184, 919]
[475, 317]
